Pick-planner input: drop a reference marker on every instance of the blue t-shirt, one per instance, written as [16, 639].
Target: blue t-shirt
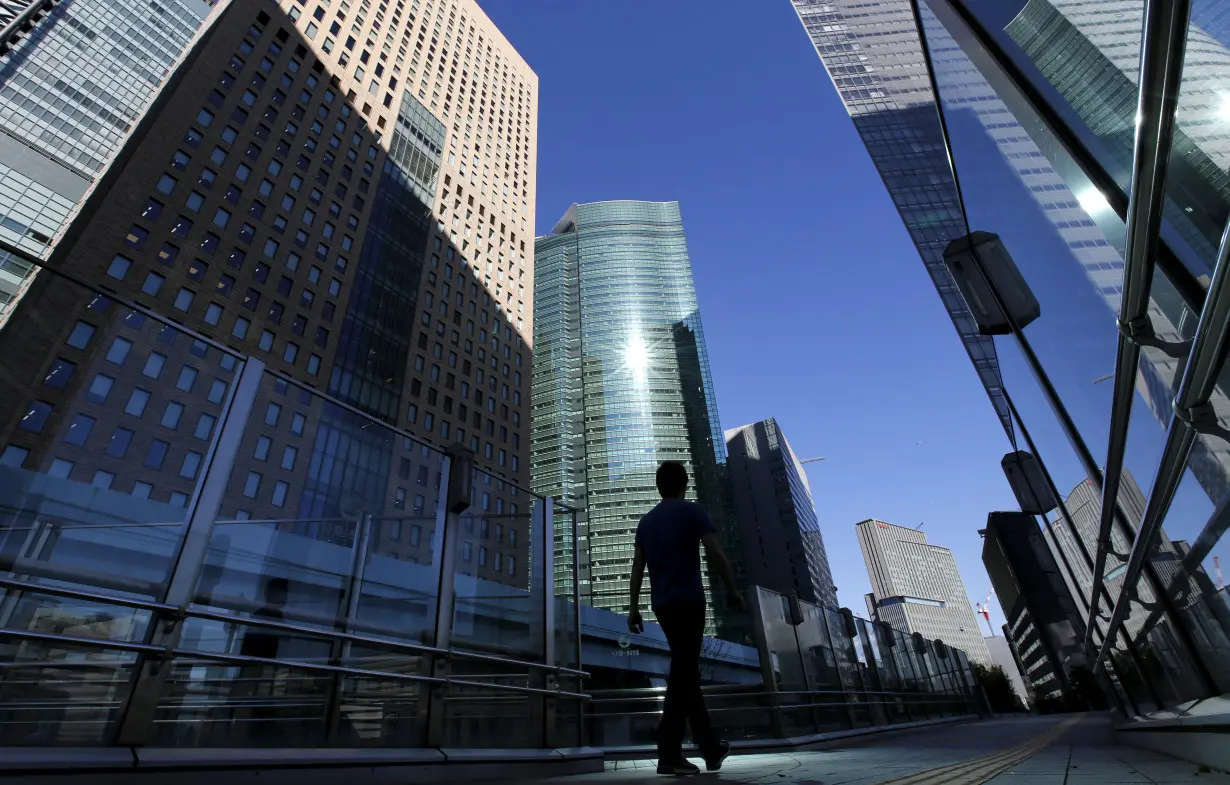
[669, 536]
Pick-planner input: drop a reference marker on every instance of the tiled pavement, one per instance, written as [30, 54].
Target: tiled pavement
[1084, 754]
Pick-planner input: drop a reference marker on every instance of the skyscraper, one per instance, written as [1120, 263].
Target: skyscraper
[621, 379]
[1043, 624]
[72, 88]
[344, 193]
[888, 94]
[915, 587]
[783, 549]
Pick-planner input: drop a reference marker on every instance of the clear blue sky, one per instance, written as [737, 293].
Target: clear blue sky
[816, 306]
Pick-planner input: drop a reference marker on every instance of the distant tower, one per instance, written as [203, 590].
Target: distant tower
[782, 545]
[917, 587]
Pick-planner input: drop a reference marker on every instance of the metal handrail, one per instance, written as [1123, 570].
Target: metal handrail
[201, 613]
[76, 594]
[779, 707]
[652, 693]
[1195, 389]
[417, 648]
[241, 659]
[1161, 75]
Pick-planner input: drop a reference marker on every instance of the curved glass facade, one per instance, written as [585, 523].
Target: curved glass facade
[1036, 103]
[621, 379]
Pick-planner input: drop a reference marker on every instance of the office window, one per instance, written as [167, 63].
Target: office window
[119, 267]
[156, 454]
[171, 415]
[204, 426]
[252, 485]
[191, 465]
[100, 388]
[79, 429]
[154, 365]
[137, 401]
[187, 378]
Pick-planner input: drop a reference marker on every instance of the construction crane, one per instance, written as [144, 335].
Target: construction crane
[984, 610]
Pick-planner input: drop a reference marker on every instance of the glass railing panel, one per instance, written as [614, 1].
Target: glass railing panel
[61, 695]
[789, 661]
[829, 695]
[567, 618]
[499, 599]
[474, 716]
[870, 667]
[109, 415]
[207, 703]
[844, 645]
[328, 520]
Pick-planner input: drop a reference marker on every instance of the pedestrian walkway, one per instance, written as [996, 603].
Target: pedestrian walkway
[1059, 750]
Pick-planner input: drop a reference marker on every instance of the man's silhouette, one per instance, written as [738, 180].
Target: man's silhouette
[668, 539]
[263, 642]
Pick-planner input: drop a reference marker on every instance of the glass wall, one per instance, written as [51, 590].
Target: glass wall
[161, 493]
[827, 671]
[1021, 178]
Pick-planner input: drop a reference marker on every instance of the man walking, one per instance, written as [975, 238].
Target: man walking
[668, 539]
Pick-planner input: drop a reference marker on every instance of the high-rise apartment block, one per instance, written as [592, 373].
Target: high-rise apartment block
[915, 587]
[341, 190]
[621, 379]
[783, 548]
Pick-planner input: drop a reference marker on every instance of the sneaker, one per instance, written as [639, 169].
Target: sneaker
[713, 762]
[678, 768]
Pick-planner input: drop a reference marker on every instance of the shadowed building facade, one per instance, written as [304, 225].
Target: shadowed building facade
[783, 548]
[307, 190]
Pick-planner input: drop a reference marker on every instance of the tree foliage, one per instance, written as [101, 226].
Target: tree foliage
[998, 688]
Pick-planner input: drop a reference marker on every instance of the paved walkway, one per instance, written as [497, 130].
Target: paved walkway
[1061, 750]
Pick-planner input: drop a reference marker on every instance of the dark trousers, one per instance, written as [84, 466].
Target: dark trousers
[684, 626]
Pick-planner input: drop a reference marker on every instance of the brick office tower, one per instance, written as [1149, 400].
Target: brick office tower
[345, 191]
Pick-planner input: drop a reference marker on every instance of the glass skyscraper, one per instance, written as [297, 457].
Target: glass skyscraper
[1021, 119]
[621, 379]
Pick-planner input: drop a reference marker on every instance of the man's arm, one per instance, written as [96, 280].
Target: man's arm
[717, 557]
[638, 574]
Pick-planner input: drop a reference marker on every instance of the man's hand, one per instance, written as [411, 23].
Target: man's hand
[636, 625]
[735, 600]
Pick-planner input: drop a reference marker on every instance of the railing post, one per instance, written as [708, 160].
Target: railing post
[339, 651]
[445, 547]
[165, 629]
[542, 625]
